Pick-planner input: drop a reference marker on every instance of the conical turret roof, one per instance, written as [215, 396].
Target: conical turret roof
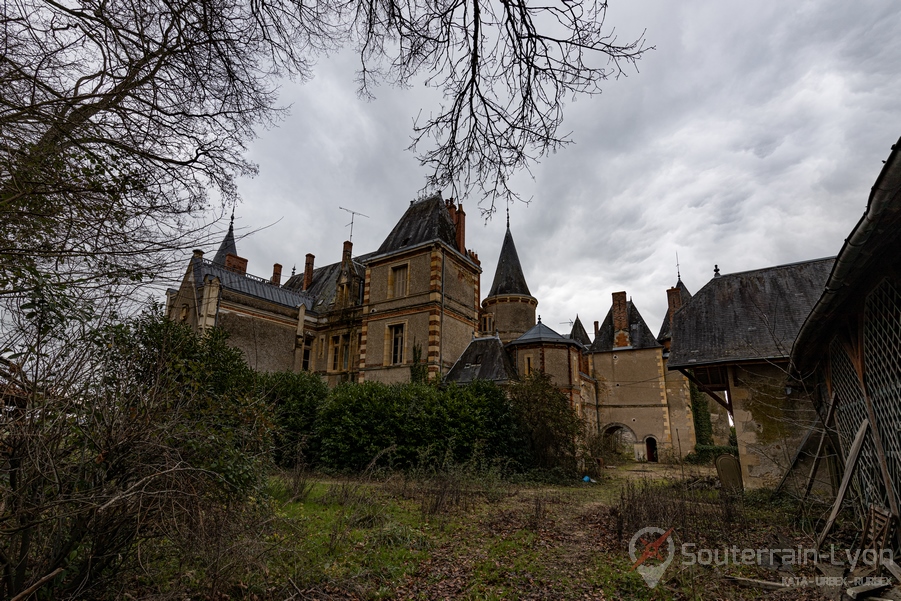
[509, 279]
[579, 334]
[228, 244]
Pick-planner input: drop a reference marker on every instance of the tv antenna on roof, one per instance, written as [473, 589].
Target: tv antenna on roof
[351, 224]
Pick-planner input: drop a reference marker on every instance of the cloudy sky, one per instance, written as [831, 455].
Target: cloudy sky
[750, 137]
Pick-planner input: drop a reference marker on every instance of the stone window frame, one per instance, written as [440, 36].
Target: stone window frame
[392, 280]
[390, 329]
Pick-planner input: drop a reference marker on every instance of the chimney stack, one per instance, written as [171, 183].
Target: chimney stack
[461, 229]
[308, 271]
[451, 209]
[597, 326]
[620, 320]
[276, 275]
[674, 302]
[346, 253]
[236, 263]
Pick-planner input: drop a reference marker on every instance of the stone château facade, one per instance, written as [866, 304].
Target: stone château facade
[417, 297]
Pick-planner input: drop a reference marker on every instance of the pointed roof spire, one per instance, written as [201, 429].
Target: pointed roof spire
[578, 332]
[228, 243]
[509, 279]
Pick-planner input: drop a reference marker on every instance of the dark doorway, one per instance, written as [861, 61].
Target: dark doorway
[651, 448]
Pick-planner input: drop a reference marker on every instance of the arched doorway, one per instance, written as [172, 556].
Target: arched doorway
[618, 440]
[651, 449]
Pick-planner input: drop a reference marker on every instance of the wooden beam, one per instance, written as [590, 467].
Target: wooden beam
[795, 459]
[830, 413]
[850, 466]
[880, 453]
[704, 388]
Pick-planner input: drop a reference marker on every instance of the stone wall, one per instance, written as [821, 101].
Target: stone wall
[769, 424]
[268, 345]
[635, 396]
[678, 399]
[513, 315]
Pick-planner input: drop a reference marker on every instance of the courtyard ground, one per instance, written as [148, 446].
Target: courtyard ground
[463, 536]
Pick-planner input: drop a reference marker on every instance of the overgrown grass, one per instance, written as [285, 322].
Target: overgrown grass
[468, 534]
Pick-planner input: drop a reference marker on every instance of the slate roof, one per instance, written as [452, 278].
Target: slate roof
[640, 335]
[425, 220]
[248, 284]
[483, 359]
[541, 334]
[508, 278]
[665, 332]
[751, 315]
[579, 334]
[324, 286]
[228, 246]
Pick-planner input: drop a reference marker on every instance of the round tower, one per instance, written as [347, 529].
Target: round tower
[509, 308]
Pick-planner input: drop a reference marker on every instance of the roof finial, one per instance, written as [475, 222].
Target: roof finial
[678, 274]
[508, 215]
[231, 224]
[716, 271]
[293, 270]
[539, 319]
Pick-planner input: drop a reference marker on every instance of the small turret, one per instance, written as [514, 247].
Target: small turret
[509, 308]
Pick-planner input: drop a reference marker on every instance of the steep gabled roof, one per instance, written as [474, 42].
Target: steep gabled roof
[665, 332]
[508, 278]
[324, 286]
[483, 359]
[579, 334]
[248, 284]
[751, 315]
[425, 220]
[640, 335]
[228, 246]
[541, 334]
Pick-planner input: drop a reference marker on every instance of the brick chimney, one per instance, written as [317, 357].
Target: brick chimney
[308, 271]
[620, 320]
[236, 263]
[674, 302]
[276, 275]
[461, 229]
[597, 326]
[346, 253]
[451, 209]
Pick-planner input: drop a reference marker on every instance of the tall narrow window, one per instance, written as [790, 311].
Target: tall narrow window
[336, 351]
[397, 344]
[399, 281]
[345, 349]
[305, 366]
[528, 365]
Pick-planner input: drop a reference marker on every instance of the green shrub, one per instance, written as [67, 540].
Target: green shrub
[420, 424]
[547, 422]
[134, 436]
[295, 399]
